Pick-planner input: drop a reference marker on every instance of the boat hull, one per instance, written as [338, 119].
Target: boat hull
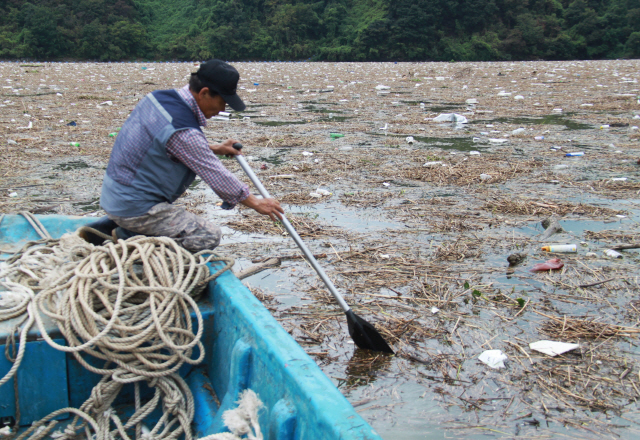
[246, 348]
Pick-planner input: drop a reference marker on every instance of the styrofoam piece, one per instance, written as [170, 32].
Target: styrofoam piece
[450, 117]
[552, 348]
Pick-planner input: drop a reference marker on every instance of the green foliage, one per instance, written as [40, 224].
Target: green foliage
[332, 30]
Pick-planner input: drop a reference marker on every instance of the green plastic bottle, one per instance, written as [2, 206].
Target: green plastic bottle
[74, 144]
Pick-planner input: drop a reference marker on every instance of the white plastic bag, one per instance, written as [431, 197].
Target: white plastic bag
[493, 358]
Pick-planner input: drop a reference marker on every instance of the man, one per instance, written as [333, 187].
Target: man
[157, 155]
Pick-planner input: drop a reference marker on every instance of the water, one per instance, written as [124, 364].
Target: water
[545, 120]
[72, 165]
[279, 123]
[357, 220]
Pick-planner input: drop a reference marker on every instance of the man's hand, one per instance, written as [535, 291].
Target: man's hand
[225, 148]
[270, 207]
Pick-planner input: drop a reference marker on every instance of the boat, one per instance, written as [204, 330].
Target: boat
[245, 349]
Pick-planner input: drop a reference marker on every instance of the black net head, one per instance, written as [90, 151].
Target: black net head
[365, 335]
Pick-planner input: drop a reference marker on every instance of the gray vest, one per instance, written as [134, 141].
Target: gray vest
[140, 173]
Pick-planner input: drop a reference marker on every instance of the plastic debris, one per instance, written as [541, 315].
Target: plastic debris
[307, 153]
[450, 117]
[485, 176]
[474, 153]
[493, 358]
[432, 164]
[539, 138]
[222, 116]
[472, 101]
[381, 87]
[72, 124]
[74, 144]
[13, 194]
[336, 135]
[518, 131]
[323, 192]
[560, 248]
[409, 139]
[553, 264]
[498, 141]
[386, 184]
[434, 310]
[518, 97]
[613, 254]
[106, 103]
[575, 154]
[315, 195]
[552, 348]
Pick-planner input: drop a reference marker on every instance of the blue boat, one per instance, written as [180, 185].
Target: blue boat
[246, 348]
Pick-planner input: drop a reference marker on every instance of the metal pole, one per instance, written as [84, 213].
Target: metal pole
[308, 255]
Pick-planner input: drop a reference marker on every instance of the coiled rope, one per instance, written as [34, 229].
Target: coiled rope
[128, 304]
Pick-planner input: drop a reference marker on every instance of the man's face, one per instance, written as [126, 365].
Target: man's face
[210, 105]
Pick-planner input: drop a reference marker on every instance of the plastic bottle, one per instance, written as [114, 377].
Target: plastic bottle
[539, 138]
[74, 144]
[577, 153]
[613, 254]
[560, 248]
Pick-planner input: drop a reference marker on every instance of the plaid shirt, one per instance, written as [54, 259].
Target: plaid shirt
[192, 149]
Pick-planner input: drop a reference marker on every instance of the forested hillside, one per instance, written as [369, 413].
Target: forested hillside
[343, 30]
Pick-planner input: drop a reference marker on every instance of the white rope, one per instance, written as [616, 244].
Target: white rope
[242, 420]
[128, 304]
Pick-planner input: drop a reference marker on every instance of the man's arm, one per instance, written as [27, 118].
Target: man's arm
[192, 149]
[270, 207]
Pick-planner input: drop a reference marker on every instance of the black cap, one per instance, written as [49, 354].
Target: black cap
[222, 78]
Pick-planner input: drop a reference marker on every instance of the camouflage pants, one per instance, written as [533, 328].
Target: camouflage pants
[166, 220]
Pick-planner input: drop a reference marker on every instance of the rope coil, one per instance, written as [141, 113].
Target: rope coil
[127, 304]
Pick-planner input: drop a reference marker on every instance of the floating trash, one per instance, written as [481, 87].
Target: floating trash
[493, 358]
[552, 348]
